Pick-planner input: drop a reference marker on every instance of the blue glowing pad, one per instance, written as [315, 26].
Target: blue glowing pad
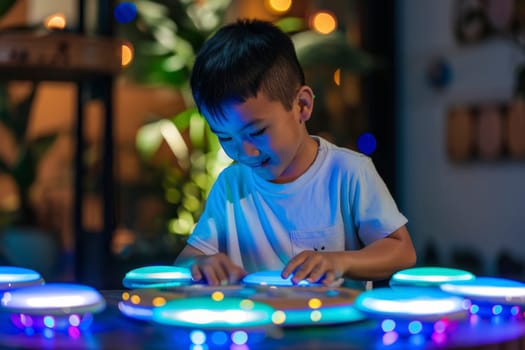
[157, 277]
[429, 276]
[53, 298]
[489, 289]
[272, 278]
[214, 313]
[16, 277]
[411, 303]
[53, 306]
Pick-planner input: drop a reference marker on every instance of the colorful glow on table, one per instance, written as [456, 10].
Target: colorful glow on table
[429, 276]
[272, 278]
[52, 306]
[157, 277]
[16, 277]
[209, 313]
[491, 296]
[139, 303]
[317, 316]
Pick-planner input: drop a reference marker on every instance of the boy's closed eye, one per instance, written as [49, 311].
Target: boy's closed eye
[253, 134]
[224, 138]
[258, 132]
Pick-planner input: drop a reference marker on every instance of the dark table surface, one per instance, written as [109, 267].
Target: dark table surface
[113, 330]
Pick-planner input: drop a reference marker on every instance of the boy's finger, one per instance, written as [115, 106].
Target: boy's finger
[292, 265]
[195, 273]
[211, 276]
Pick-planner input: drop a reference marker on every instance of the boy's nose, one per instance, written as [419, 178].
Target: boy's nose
[248, 149]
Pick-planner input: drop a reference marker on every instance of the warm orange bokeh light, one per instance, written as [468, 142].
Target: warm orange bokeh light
[55, 21]
[127, 54]
[278, 6]
[337, 77]
[323, 22]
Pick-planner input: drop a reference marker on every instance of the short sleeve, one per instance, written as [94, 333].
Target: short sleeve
[375, 211]
[206, 235]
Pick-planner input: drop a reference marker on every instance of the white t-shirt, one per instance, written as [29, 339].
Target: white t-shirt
[339, 203]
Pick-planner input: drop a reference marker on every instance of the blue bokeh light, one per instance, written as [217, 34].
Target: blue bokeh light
[125, 12]
[366, 143]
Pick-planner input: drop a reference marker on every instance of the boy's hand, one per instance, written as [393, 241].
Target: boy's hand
[217, 269]
[314, 266]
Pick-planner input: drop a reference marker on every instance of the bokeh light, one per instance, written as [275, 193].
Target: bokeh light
[278, 6]
[366, 143]
[127, 54]
[323, 22]
[125, 12]
[56, 21]
[337, 77]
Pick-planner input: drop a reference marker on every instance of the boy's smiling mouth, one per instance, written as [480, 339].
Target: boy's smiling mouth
[261, 164]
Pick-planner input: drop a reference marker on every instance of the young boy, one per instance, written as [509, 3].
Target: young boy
[290, 201]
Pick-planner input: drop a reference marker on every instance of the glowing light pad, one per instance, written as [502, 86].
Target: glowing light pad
[209, 313]
[294, 306]
[52, 306]
[53, 298]
[410, 303]
[298, 306]
[157, 276]
[490, 296]
[429, 276]
[16, 277]
[272, 278]
[412, 311]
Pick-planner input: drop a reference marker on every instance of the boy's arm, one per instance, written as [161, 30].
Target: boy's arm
[378, 260]
[216, 269]
[187, 256]
[382, 258]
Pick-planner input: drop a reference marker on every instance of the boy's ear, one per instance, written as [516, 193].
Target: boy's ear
[305, 101]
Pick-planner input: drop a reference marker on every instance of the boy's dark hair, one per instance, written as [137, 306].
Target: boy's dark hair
[242, 59]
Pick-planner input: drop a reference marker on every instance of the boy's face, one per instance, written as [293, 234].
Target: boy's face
[263, 135]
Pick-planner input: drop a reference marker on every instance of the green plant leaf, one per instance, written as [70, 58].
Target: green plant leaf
[182, 120]
[290, 24]
[148, 139]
